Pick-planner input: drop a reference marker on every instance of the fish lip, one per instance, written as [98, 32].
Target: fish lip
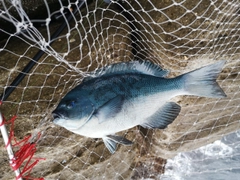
[56, 115]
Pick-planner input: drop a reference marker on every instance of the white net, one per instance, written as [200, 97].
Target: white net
[178, 35]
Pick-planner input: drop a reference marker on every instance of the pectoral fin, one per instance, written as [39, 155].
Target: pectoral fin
[111, 141]
[109, 109]
[163, 117]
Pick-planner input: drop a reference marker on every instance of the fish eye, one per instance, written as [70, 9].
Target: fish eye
[71, 105]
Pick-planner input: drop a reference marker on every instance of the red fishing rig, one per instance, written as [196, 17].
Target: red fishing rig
[24, 156]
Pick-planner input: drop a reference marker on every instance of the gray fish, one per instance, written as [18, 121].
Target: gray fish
[123, 95]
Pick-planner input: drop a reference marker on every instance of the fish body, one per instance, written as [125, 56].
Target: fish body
[124, 95]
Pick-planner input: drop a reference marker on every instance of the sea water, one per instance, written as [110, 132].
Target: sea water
[217, 161]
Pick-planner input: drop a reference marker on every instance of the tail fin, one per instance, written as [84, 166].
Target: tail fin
[202, 82]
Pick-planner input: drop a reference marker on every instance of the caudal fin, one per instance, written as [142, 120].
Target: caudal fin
[202, 82]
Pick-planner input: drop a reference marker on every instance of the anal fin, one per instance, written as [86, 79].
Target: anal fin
[162, 117]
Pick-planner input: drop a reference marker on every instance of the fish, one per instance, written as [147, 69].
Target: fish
[123, 95]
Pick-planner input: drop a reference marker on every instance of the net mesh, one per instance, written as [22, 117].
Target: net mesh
[177, 35]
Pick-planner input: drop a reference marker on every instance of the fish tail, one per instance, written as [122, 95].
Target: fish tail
[202, 82]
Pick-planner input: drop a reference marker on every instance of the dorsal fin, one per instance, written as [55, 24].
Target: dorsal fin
[137, 67]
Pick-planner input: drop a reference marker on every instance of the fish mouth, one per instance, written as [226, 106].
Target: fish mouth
[56, 115]
[61, 120]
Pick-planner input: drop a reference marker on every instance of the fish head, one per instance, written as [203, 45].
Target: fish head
[73, 112]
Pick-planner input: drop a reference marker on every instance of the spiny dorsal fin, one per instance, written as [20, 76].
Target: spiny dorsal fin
[136, 67]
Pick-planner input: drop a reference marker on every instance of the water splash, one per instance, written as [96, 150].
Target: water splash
[217, 161]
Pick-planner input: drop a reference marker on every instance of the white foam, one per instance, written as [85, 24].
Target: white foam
[216, 149]
[219, 160]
